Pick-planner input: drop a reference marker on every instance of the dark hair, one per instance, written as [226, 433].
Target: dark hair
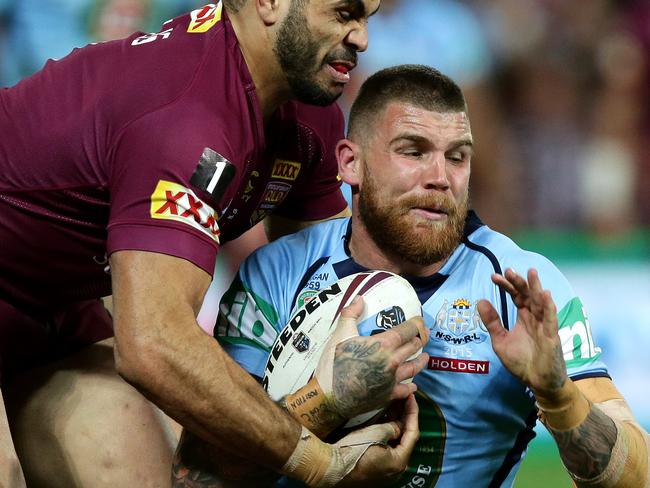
[416, 84]
[233, 6]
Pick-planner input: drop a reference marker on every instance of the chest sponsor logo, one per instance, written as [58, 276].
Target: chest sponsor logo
[285, 170]
[171, 201]
[459, 323]
[274, 193]
[459, 365]
[203, 19]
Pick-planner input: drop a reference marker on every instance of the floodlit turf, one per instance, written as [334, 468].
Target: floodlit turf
[542, 467]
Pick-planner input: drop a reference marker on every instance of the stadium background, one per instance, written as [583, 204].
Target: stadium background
[558, 94]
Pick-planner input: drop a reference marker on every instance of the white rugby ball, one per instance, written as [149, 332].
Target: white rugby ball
[388, 300]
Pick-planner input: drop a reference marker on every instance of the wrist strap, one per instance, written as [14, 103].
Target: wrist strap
[310, 459]
[568, 408]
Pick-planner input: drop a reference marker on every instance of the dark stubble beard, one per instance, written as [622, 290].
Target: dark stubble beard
[296, 50]
[392, 230]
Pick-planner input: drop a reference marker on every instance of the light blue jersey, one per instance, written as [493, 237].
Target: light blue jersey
[476, 419]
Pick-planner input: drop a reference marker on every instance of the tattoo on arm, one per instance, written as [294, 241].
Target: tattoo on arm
[190, 464]
[199, 464]
[558, 371]
[587, 449]
[360, 370]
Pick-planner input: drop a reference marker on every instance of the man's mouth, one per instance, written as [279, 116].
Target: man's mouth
[431, 213]
[340, 70]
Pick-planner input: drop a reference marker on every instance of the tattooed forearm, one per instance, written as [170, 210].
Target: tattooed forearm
[361, 373]
[587, 449]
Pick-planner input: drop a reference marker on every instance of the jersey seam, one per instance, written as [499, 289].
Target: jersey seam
[496, 265]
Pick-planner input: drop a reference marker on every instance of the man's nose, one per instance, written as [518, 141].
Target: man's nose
[434, 173]
[358, 37]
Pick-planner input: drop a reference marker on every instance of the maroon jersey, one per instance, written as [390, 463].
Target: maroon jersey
[153, 143]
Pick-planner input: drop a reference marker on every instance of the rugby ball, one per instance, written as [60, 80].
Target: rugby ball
[388, 300]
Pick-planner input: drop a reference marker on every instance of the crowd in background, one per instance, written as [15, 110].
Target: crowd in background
[559, 92]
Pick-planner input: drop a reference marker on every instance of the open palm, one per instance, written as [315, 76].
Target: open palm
[532, 350]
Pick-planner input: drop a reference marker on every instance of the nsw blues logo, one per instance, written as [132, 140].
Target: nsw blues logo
[459, 323]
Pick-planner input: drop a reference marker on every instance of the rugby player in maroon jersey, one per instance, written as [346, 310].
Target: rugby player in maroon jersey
[123, 168]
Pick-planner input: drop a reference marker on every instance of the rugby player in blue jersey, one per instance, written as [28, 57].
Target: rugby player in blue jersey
[124, 167]
[503, 351]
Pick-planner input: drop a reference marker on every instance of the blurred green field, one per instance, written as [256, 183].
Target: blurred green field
[542, 467]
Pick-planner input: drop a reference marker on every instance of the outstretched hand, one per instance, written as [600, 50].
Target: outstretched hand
[532, 350]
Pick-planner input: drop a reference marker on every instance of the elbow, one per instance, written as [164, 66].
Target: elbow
[135, 359]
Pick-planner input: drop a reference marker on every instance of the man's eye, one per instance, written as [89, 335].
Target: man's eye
[456, 157]
[344, 15]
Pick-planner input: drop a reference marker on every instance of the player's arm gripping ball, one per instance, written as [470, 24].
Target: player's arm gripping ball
[350, 460]
[356, 374]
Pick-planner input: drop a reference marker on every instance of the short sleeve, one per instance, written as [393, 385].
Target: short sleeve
[153, 205]
[319, 195]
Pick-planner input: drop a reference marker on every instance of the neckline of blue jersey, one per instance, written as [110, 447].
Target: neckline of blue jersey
[425, 286]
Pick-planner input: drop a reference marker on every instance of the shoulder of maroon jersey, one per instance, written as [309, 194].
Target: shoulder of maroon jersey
[137, 64]
[327, 122]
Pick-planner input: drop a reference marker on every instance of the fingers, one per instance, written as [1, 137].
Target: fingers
[346, 326]
[377, 433]
[502, 282]
[405, 352]
[403, 333]
[491, 320]
[408, 369]
[550, 314]
[410, 427]
[354, 309]
[402, 391]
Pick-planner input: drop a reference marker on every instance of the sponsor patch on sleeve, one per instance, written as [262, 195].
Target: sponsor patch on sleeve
[285, 170]
[575, 334]
[171, 201]
[204, 18]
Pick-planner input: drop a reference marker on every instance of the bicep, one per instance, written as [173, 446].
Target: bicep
[152, 289]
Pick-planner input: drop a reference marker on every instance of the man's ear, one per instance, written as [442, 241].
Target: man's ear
[271, 11]
[348, 156]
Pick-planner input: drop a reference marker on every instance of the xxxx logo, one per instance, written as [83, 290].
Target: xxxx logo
[171, 201]
[203, 19]
[285, 170]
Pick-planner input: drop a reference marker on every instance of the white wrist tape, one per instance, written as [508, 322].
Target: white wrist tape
[322, 465]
